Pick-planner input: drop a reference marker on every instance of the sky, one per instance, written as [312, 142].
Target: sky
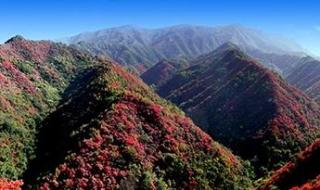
[298, 20]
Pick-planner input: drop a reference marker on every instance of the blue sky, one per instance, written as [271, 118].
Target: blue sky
[52, 19]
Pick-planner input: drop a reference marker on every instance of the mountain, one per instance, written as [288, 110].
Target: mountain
[70, 120]
[125, 45]
[141, 48]
[113, 132]
[159, 73]
[33, 75]
[73, 121]
[306, 76]
[289, 176]
[283, 64]
[162, 71]
[245, 106]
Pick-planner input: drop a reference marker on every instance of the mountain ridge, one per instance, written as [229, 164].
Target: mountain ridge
[306, 77]
[134, 47]
[33, 75]
[133, 137]
[244, 101]
[99, 127]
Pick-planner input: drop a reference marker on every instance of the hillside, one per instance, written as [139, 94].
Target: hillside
[140, 48]
[303, 173]
[159, 73]
[245, 106]
[33, 74]
[123, 136]
[162, 71]
[70, 120]
[306, 76]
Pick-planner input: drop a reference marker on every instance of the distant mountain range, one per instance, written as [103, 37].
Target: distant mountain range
[306, 76]
[141, 48]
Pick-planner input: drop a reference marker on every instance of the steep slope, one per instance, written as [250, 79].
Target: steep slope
[245, 106]
[123, 136]
[304, 172]
[141, 48]
[306, 76]
[162, 71]
[33, 74]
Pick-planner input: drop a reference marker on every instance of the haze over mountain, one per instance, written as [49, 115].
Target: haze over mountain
[142, 48]
[245, 106]
[306, 76]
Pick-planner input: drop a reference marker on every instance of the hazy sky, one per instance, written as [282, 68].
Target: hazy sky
[52, 19]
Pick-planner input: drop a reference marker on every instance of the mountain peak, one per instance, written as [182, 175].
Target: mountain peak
[228, 81]
[15, 38]
[227, 50]
[227, 47]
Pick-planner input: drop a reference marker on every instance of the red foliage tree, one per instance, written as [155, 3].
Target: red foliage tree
[6, 184]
